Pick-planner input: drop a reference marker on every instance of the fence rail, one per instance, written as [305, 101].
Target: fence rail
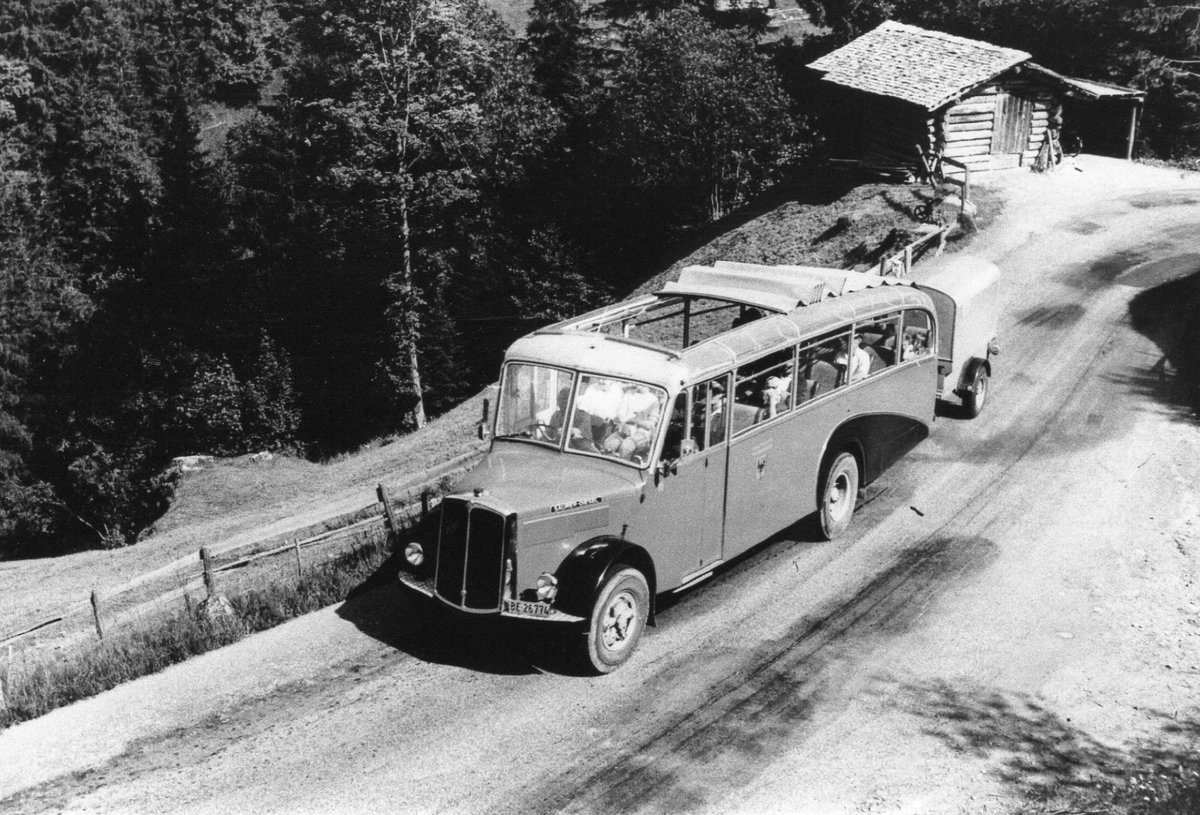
[900, 264]
[189, 574]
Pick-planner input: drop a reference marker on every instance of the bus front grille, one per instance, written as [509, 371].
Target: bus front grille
[470, 556]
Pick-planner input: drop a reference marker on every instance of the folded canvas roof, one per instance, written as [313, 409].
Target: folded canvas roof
[774, 288]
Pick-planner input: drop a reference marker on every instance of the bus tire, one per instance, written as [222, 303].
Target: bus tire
[839, 494]
[975, 397]
[617, 620]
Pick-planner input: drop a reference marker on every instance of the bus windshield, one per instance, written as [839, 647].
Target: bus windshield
[612, 418]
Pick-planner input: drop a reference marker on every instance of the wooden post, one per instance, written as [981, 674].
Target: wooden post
[299, 563]
[7, 681]
[1135, 109]
[96, 614]
[389, 514]
[210, 580]
[424, 503]
[483, 426]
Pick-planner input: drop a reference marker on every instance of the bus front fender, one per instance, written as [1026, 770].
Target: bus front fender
[584, 570]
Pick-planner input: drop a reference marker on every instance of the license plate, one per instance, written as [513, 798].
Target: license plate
[533, 609]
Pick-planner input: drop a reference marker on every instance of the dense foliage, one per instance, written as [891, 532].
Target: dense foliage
[300, 224]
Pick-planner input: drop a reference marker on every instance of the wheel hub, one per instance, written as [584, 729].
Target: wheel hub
[617, 621]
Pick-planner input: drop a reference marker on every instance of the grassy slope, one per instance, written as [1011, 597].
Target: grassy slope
[243, 499]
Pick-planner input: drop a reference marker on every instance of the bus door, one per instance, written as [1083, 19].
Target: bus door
[761, 493]
[686, 506]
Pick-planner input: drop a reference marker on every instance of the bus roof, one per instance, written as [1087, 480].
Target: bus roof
[806, 301]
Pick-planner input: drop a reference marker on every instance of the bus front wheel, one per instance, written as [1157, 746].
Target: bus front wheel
[839, 494]
[617, 620]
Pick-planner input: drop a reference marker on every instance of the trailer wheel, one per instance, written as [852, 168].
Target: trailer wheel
[617, 620]
[839, 494]
[975, 398]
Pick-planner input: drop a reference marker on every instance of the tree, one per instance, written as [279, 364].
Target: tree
[696, 119]
[401, 87]
[39, 303]
[269, 416]
[556, 37]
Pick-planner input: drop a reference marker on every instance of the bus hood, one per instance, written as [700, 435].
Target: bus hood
[534, 481]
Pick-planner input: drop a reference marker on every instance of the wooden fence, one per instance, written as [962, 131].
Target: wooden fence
[200, 572]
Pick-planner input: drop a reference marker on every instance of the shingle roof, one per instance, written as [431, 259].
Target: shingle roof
[927, 68]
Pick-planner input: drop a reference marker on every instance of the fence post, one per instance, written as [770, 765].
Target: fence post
[424, 503]
[389, 514]
[299, 563]
[96, 614]
[7, 681]
[210, 580]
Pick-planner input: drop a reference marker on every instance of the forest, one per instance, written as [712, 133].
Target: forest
[230, 226]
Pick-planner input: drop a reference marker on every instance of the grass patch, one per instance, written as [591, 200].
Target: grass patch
[32, 690]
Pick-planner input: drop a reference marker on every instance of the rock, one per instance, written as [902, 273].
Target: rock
[263, 456]
[187, 464]
[216, 607]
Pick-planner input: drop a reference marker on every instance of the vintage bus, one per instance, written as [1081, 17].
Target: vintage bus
[638, 448]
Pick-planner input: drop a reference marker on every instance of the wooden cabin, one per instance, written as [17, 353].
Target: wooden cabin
[898, 89]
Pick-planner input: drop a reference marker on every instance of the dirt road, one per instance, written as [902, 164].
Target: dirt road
[1015, 614]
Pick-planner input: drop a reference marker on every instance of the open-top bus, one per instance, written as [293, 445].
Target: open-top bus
[637, 448]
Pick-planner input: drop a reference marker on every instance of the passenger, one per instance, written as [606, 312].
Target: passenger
[631, 435]
[856, 363]
[777, 394]
[885, 346]
[550, 422]
[747, 315]
[716, 414]
[915, 344]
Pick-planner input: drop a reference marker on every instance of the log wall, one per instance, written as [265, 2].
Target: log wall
[967, 127]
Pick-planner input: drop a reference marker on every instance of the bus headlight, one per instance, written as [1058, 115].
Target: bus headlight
[414, 554]
[547, 587]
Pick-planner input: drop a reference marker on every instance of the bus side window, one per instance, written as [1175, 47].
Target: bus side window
[763, 390]
[818, 369]
[917, 338]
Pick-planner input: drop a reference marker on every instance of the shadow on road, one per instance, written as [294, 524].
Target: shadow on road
[382, 609]
[1052, 763]
[1167, 315]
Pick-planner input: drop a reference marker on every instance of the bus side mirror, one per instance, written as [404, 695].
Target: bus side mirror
[482, 427]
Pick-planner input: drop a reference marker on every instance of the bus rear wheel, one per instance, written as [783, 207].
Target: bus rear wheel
[839, 495]
[617, 620]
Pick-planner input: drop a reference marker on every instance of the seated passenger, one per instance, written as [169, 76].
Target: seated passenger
[916, 343]
[855, 361]
[885, 346]
[747, 315]
[549, 422]
[823, 378]
[777, 395]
